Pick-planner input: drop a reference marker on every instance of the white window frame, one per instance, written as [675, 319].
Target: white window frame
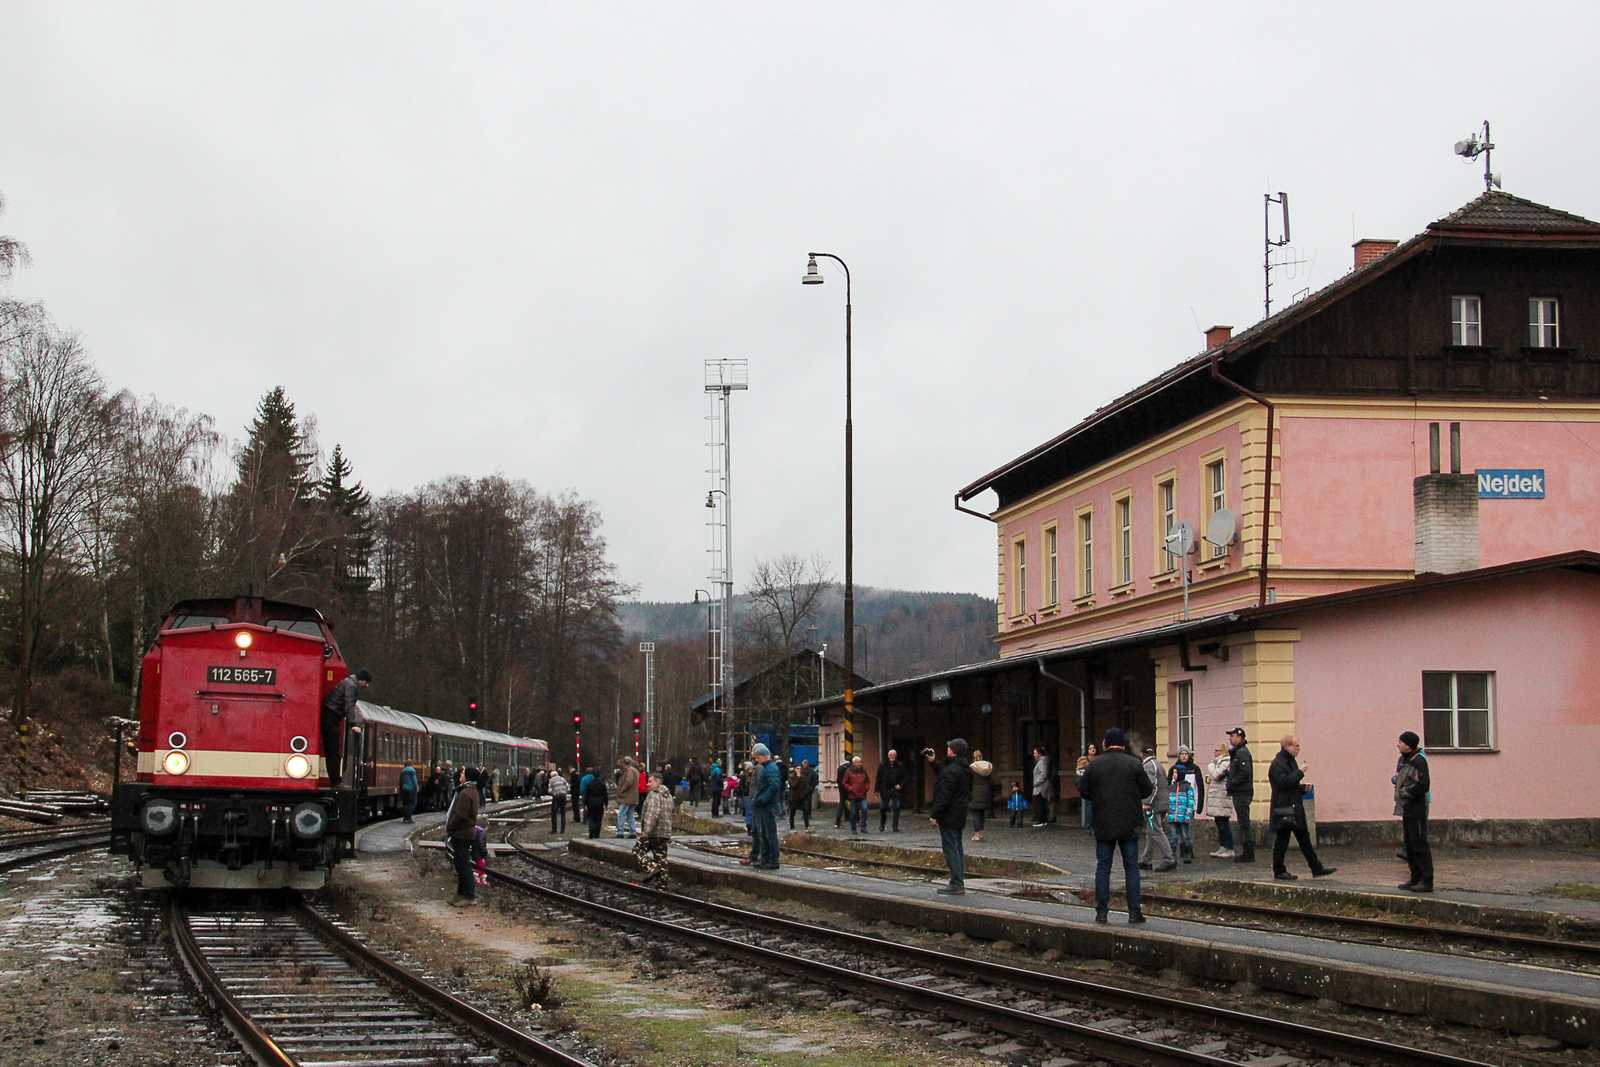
[1217, 495]
[1544, 322]
[1183, 716]
[1466, 330]
[1455, 710]
[1086, 547]
[1167, 491]
[1052, 575]
[1124, 540]
[1019, 572]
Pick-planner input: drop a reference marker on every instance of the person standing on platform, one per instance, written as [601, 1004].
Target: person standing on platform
[1041, 788]
[1241, 785]
[627, 797]
[1181, 816]
[800, 786]
[655, 833]
[575, 780]
[767, 796]
[894, 776]
[1411, 787]
[1017, 805]
[1156, 842]
[952, 796]
[1217, 804]
[408, 791]
[844, 801]
[982, 798]
[559, 788]
[697, 782]
[714, 780]
[460, 829]
[1118, 786]
[1085, 805]
[856, 785]
[1289, 811]
[336, 709]
[594, 800]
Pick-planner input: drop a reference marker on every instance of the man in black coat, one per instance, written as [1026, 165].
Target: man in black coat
[1241, 783]
[893, 777]
[1289, 811]
[1116, 784]
[1411, 785]
[336, 709]
[952, 791]
[844, 801]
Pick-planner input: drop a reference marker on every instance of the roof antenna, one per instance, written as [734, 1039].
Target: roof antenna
[1269, 243]
[1471, 148]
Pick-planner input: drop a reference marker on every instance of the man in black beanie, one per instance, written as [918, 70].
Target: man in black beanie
[1411, 787]
[952, 791]
[1115, 783]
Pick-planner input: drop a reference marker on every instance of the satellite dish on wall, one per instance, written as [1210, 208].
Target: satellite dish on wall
[1222, 528]
[1180, 542]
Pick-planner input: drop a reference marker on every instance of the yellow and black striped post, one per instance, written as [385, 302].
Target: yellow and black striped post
[849, 723]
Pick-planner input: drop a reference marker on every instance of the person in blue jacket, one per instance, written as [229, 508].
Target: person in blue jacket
[766, 798]
[408, 790]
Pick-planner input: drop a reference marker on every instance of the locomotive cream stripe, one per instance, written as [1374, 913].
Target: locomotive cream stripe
[220, 763]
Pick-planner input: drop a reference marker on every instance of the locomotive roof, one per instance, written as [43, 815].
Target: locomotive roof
[245, 608]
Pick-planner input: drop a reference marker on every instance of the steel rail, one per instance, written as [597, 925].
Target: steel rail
[522, 1045]
[51, 847]
[257, 1043]
[1411, 930]
[1492, 938]
[1300, 1035]
[1119, 1048]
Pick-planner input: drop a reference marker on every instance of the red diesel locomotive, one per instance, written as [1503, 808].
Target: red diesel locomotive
[232, 790]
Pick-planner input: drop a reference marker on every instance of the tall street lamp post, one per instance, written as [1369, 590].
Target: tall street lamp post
[814, 277]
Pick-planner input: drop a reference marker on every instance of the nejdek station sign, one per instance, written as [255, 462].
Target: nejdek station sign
[1511, 484]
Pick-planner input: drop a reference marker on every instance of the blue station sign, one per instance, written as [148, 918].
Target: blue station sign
[1510, 484]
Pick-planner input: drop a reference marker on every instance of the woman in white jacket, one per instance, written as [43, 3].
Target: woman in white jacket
[1218, 804]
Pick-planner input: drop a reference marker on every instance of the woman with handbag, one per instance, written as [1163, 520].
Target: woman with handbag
[1289, 811]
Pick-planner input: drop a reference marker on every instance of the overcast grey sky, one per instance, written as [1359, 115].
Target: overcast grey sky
[475, 238]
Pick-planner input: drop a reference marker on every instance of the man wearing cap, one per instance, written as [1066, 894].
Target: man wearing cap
[336, 709]
[1241, 785]
[1411, 804]
[952, 792]
[1116, 784]
[766, 795]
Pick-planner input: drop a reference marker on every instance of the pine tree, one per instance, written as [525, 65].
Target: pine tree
[275, 452]
[275, 523]
[351, 506]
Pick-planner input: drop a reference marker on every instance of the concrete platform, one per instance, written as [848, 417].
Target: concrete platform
[1515, 997]
[396, 835]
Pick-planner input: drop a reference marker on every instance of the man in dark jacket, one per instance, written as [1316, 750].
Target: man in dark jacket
[765, 800]
[1241, 783]
[844, 801]
[461, 828]
[1289, 811]
[894, 778]
[952, 791]
[1116, 784]
[336, 709]
[1411, 785]
[714, 779]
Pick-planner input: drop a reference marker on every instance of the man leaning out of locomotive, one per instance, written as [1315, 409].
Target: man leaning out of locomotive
[336, 709]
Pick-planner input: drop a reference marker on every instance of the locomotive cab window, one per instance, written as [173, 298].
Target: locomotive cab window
[309, 627]
[198, 622]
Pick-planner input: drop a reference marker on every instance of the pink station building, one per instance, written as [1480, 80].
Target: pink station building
[1389, 493]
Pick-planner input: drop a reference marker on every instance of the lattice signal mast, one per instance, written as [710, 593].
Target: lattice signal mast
[722, 378]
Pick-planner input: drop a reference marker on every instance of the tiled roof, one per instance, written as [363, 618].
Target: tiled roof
[1495, 210]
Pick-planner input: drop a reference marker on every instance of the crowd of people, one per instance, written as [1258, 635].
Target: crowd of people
[1133, 806]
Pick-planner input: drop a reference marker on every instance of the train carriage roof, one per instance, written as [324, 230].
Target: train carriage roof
[369, 712]
[462, 731]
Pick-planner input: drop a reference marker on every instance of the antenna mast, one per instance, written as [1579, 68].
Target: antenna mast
[1268, 244]
[1471, 148]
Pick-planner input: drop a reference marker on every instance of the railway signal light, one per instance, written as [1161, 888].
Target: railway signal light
[577, 721]
[636, 722]
[472, 709]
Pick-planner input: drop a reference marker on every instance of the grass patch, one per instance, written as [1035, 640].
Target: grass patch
[1575, 890]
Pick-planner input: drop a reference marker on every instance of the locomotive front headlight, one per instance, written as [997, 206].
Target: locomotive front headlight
[158, 816]
[297, 766]
[242, 639]
[175, 762]
[309, 820]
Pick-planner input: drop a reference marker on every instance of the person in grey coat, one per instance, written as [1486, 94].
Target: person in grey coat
[1041, 788]
[1155, 840]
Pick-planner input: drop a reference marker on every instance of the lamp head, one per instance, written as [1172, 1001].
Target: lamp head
[710, 502]
[812, 276]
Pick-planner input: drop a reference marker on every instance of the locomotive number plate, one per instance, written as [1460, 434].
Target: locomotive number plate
[242, 675]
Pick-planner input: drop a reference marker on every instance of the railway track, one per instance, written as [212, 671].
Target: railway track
[298, 989]
[1447, 939]
[26, 846]
[1036, 1010]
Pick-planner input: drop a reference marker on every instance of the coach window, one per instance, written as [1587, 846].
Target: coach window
[1458, 709]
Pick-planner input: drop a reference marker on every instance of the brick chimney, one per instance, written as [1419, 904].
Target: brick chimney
[1445, 509]
[1217, 335]
[1371, 248]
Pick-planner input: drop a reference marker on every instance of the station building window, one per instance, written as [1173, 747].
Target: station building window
[1182, 716]
[1216, 487]
[1052, 568]
[1457, 709]
[1544, 322]
[1166, 519]
[1124, 540]
[1019, 578]
[1085, 554]
[1466, 320]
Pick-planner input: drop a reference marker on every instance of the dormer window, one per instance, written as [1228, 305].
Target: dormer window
[1544, 322]
[1466, 320]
